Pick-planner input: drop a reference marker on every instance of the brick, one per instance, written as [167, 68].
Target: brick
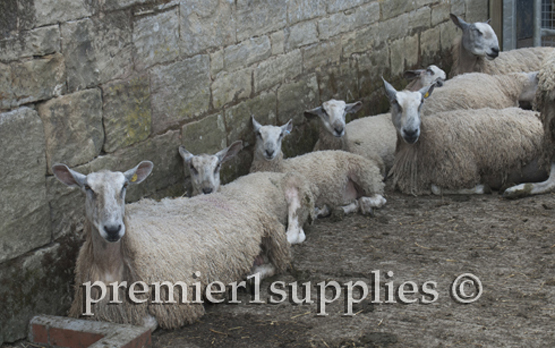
[293, 99]
[60, 11]
[278, 42]
[300, 34]
[36, 42]
[440, 13]
[300, 10]
[216, 62]
[263, 107]
[205, 136]
[341, 5]
[230, 86]
[392, 9]
[322, 54]
[247, 53]
[343, 22]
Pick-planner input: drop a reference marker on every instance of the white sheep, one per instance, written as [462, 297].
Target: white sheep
[461, 151]
[372, 137]
[478, 51]
[204, 169]
[478, 90]
[545, 102]
[425, 77]
[203, 239]
[337, 178]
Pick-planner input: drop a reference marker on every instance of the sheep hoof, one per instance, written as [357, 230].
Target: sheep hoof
[338, 214]
[518, 191]
[301, 237]
[150, 322]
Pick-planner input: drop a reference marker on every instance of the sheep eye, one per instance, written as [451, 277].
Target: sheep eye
[258, 134]
[89, 189]
[217, 169]
[281, 135]
[479, 32]
[193, 170]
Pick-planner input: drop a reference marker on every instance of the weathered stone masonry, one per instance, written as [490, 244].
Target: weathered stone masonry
[107, 83]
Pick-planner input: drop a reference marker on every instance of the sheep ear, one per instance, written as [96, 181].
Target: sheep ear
[255, 124]
[427, 91]
[390, 91]
[139, 173]
[353, 107]
[67, 176]
[186, 155]
[488, 21]
[316, 112]
[288, 127]
[459, 22]
[230, 151]
[412, 74]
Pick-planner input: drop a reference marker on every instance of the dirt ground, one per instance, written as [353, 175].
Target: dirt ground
[508, 245]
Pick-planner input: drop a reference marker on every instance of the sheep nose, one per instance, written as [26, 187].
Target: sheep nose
[207, 190]
[339, 130]
[495, 51]
[112, 229]
[269, 153]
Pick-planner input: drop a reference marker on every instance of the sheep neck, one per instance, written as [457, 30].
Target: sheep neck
[330, 142]
[260, 164]
[464, 61]
[108, 259]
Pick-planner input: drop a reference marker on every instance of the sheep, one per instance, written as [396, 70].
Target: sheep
[425, 77]
[478, 51]
[372, 137]
[461, 151]
[545, 102]
[195, 240]
[337, 178]
[204, 169]
[478, 90]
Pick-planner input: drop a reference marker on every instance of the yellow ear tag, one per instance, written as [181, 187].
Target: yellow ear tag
[134, 178]
[427, 95]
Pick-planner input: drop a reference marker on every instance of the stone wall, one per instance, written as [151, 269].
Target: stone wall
[107, 83]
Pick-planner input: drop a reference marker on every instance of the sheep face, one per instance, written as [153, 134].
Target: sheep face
[432, 75]
[405, 110]
[332, 115]
[105, 195]
[205, 169]
[269, 138]
[478, 38]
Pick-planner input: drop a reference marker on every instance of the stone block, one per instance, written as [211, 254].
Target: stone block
[127, 114]
[294, 98]
[440, 13]
[60, 11]
[247, 52]
[274, 71]
[420, 19]
[278, 42]
[339, 82]
[476, 10]
[205, 136]
[216, 62]
[322, 54]
[24, 212]
[238, 117]
[97, 50]
[39, 282]
[156, 39]
[392, 9]
[73, 128]
[300, 35]
[342, 22]
[38, 79]
[300, 10]
[230, 86]
[6, 94]
[341, 5]
[259, 17]
[429, 45]
[179, 91]
[206, 24]
[36, 42]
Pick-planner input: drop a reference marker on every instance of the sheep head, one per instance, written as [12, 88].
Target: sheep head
[332, 115]
[432, 75]
[405, 110]
[205, 169]
[105, 195]
[269, 138]
[478, 38]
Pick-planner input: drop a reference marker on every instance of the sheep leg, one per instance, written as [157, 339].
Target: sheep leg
[295, 233]
[266, 270]
[323, 212]
[367, 203]
[478, 190]
[351, 208]
[529, 189]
